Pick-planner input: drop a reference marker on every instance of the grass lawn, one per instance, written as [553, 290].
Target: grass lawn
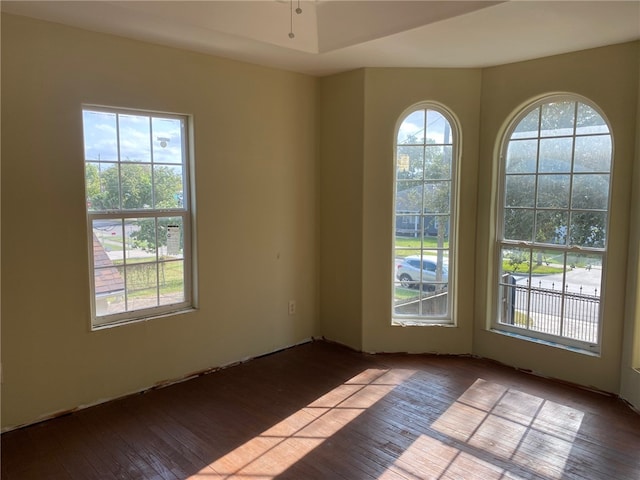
[543, 269]
[170, 276]
[402, 293]
[412, 244]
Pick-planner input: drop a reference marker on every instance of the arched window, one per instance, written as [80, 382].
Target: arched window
[426, 155]
[556, 163]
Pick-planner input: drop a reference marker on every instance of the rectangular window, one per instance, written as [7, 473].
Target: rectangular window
[138, 214]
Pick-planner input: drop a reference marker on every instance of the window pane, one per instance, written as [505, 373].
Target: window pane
[427, 272]
[408, 270]
[438, 225]
[136, 186]
[588, 229]
[513, 301]
[513, 282]
[412, 129]
[557, 119]
[584, 274]
[406, 300]
[593, 154]
[170, 237]
[436, 197]
[438, 162]
[522, 156]
[590, 192]
[438, 128]
[167, 140]
[100, 136]
[520, 190]
[409, 197]
[553, 191]
[108, 247]
[135, 136]
[410, 163]
[546, 261]
[142, 283]
[433, 302]
[168, 189]
[518, 224]
[140, 239]
[110, 236]
[555, 155]
[583, 291]
[408, 226]
[545, 306]
[528, 126]
[582, 297]
[107, 261]
[171, 282]
[589, 121]
[516, 261]
[436, 261]
[109, 290]
[102, 186]
[552, 226]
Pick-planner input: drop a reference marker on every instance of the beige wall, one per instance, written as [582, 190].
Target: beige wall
[255, 159]
[360, 111]
[294, 181]
[340, 180]
[630, 368]
[389, 92]
[608, 77]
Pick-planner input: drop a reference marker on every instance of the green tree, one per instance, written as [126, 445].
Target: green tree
[135, 186]
[558, 183]
[168, 187]
[140, 188]
[148, 237]
[92, 181]
[578, 218]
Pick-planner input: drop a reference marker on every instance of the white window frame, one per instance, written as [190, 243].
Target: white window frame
[421, 317]
[525, 331]
[184, 212]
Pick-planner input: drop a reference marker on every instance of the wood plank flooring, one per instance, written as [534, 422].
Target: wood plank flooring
[321, 411]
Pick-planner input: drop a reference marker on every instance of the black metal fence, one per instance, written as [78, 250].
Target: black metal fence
[569, 311]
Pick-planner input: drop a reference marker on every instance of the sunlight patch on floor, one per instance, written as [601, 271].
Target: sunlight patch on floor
[281, 446]
[524, 434]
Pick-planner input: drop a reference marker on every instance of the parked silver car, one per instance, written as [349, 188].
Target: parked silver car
[408, 272]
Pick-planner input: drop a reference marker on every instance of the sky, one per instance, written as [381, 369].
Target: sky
[414, 124]
[141, 137]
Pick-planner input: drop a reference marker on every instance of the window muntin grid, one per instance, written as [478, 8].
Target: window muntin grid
[139, 221]
[424, 208]
[553, 222]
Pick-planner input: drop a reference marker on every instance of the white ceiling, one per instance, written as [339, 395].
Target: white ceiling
[338, 35]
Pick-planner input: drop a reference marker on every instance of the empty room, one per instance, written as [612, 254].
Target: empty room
[320, 240]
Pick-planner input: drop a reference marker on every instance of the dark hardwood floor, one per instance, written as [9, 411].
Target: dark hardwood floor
[321, 411]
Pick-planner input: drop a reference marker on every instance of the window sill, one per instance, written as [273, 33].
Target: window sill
[121, 323]
[420, 323]
[547, 343]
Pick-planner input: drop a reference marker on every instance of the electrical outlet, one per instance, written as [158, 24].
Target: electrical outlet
[292, 307]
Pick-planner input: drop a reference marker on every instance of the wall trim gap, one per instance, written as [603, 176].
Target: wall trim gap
[155, 386]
